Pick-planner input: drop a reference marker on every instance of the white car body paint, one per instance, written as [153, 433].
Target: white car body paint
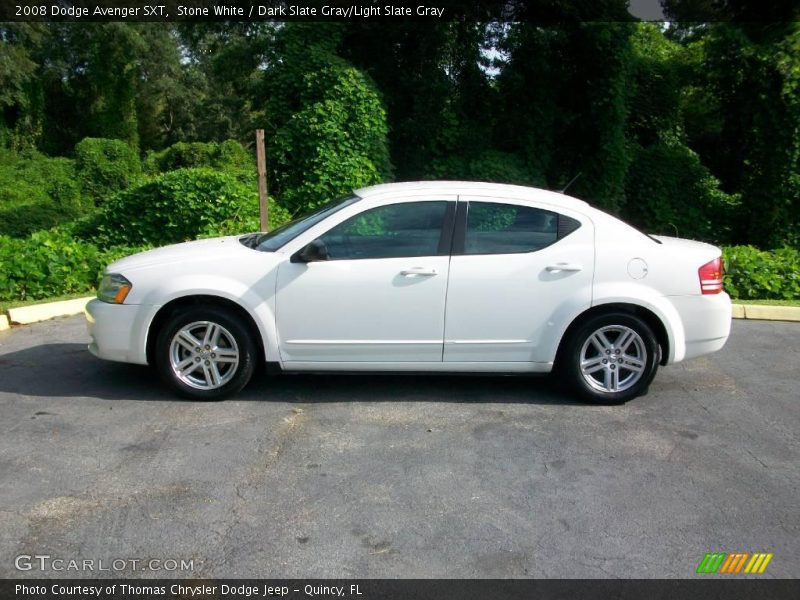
[473, 313]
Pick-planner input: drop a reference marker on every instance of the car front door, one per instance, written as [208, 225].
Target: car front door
[379, 297]
[517, 273]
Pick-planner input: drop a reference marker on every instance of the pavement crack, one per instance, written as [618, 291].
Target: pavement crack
[761, 462]
[265, 460]
[293, 420]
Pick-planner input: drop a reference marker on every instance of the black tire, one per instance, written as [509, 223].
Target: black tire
[225, 372]
[634, 367]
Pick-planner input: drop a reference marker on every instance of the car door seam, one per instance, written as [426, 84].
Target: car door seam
[449, 270]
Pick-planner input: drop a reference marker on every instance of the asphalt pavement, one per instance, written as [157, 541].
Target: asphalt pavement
[395, 476]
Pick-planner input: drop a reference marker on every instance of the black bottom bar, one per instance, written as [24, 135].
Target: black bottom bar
[401, 589]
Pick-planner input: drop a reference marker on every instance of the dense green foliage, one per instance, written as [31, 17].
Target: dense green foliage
[670, 192]
[227, 156]
[638, 112]
[581, 128]
[134, 211]
[329, 121]
[105, 166]
[334, 144]
[247, 220]
[170, 208]
[752, 274]
[742, 110]
[48, 264]
[37, 192]
[142, 133]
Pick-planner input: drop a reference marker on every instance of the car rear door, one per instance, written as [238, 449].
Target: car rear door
[380, 297]
[519, 272]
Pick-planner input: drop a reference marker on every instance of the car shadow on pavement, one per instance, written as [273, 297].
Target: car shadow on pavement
[68, 370]
[320, 388]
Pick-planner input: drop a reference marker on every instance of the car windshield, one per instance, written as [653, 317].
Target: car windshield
[269, 242]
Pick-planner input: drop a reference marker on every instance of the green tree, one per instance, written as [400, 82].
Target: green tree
[327, 121]
[437, 94]
[168, 93]
[563, 92]
[90, 77]
[743, 116]
[21, 100]
[668, 190]
[223, 66]
[335, 143]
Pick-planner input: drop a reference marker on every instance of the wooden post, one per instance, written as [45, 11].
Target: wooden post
[261, 159]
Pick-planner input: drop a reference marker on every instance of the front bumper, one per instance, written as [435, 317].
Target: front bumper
[119, 331]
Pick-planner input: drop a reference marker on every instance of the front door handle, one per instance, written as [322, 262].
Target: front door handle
[418, 272]
[563, 266]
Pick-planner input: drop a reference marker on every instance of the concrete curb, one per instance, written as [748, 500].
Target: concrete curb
[765, 312]
[50, 310]
[42, 312]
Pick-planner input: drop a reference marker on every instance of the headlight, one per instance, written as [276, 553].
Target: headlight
[113, 288]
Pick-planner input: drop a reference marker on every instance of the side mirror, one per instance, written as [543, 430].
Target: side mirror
[316, 250]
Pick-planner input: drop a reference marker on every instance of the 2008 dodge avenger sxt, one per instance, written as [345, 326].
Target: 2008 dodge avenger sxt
[428, 276]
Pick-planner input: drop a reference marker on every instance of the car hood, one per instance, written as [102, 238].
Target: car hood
[222, 248]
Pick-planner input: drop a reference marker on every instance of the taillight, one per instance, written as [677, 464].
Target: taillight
[711, 276]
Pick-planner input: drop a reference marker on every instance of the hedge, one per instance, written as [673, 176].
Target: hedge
[105, 167]
[173, 207]
[247, 221]
[51, 263]
[37, 192]
[229, 155]
[753, 274]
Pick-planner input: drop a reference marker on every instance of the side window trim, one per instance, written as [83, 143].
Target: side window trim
[460, 234]
[445, 233]
[448, 229]
[570, 225]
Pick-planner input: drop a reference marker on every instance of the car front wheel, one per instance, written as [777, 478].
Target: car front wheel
[205, 353]
[611, 358]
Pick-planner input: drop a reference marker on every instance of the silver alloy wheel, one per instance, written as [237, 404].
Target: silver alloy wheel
[204, 355]
[613, 359]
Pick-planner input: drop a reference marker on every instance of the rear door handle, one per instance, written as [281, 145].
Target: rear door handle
[563, 266]
[418, 272]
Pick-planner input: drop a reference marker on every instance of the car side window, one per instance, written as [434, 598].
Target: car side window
[391, 231]
[496, 228]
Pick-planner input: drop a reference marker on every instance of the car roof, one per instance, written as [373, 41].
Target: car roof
[476, 188]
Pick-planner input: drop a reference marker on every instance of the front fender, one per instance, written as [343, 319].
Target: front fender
[258, 300]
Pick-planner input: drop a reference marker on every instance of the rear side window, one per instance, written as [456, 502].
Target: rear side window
[494, 228]
[391, 231]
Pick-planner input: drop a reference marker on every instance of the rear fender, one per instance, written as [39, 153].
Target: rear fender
[659, 305]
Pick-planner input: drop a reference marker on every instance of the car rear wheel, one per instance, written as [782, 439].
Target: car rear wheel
[205, 353]
[611, 358]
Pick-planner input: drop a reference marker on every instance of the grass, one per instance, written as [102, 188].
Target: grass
[769, 302]
[6, 304]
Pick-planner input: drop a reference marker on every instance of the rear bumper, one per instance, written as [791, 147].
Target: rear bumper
[118, 331]
[706, 322]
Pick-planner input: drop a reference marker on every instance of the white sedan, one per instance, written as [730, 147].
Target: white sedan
[420, 277]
